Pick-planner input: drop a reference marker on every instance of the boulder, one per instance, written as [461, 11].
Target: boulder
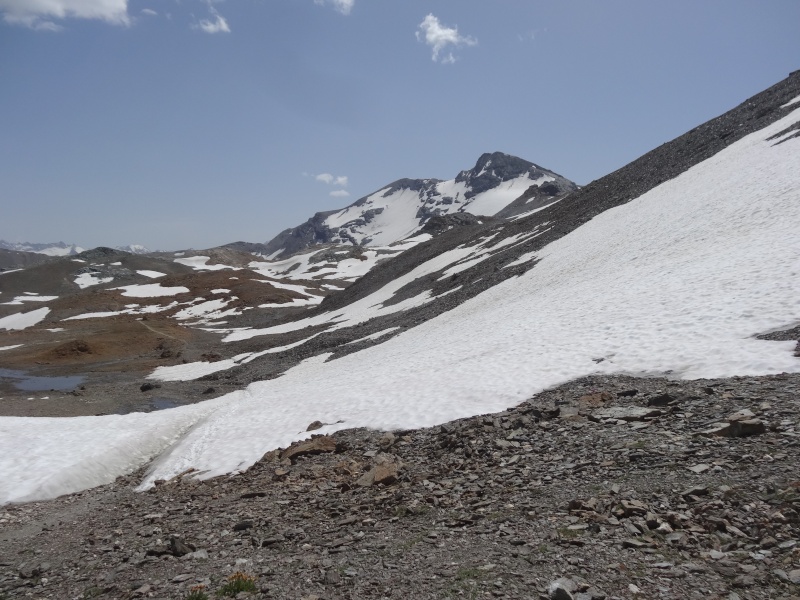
[317, 445]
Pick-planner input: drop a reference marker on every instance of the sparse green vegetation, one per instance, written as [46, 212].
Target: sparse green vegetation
[197, 592]
[238, 582]
[566, 532]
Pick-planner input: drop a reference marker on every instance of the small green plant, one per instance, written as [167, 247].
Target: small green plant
[238, 582]
[472, 573]
[570, 534]
[197, 592]
[544, 549]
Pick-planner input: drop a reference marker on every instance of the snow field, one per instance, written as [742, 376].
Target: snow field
[198, 263]
[679, 280]
[397, 221]
[791, 102]
[150, 290]
[195, 370]
[85, 280]
[300, 267]
[493, 201]
[31, 297]
[19, 321]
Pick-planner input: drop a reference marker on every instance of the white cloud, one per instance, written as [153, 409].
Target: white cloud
[218, 24]
[438, 37]
[343, 6]
[341, 180]
[340, 193]
[149, 12]
[38, 14]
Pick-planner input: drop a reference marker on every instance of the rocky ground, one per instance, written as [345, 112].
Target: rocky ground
[607, 487]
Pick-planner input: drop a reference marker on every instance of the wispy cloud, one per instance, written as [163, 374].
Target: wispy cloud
[331, 180]
[41, 14]
[343, 6]
[217, 23]
[149, 12]
[339, 181]
[439, 37]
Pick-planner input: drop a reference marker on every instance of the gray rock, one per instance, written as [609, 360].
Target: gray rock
[562, 589]
[628, 413]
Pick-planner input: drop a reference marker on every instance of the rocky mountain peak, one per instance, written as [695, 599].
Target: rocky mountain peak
[403, 207]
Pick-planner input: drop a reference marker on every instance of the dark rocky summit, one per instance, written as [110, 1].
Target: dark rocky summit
[491, 170]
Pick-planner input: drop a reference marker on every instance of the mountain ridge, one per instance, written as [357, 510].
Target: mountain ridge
[401, 208]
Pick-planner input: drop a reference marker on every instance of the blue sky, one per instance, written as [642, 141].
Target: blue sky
[194, 123]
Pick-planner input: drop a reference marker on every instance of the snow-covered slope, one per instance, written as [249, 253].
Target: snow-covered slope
[62, 249]
[678, 280]
[49, 249]
[133, 249]
[402, 208]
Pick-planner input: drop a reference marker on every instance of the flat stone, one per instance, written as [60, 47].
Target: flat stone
[741, 415]
[596, 400]
[734, 429]
[253, 495]
[660, 400]
[628, 413]
[317, 445]
[634, 543]
[701, 468]
[382, 474]
[177, 547]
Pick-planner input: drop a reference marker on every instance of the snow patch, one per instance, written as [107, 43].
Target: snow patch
[198, 263]
[19, 321]
[151, 290]
[85, 280]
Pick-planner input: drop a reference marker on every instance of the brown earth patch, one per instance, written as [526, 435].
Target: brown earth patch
[71, 349]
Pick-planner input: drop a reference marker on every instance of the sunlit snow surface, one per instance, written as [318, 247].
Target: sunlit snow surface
[678, 280]
[19, 321]
[150, 290]
[198, 263]
[151, 274]
[85, 280]
[31, 297]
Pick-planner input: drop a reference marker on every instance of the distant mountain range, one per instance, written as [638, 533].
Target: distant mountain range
[499, 184]
[61, 248]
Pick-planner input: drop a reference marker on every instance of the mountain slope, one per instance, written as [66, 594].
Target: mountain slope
[672, 265]
[403, 207]
[49, 249]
